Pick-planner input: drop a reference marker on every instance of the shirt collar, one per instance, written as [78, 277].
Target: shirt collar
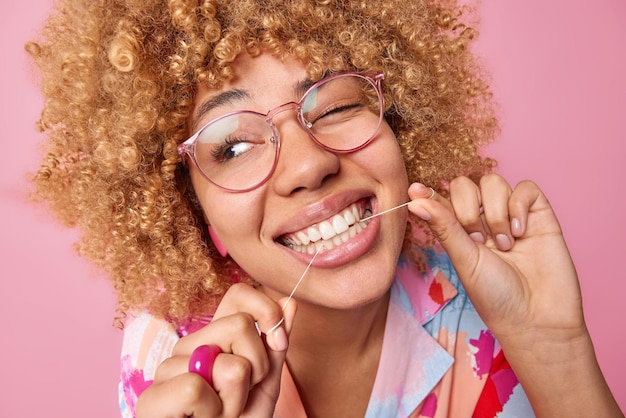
[412, 362]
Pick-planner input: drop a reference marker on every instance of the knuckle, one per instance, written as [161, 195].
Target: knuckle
[527, 184]
[240, 322]
[490, 178]
[461, 181]
[237, 290]
[499, 226]
[178, 349]
[165, 369]
[270, 317]
[235, 371]
[467, 220]
[445, 230]
[192, 389]
[497, 218]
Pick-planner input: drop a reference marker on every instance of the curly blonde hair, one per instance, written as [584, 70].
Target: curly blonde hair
[119, 78]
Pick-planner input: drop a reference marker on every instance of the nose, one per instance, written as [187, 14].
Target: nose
[302, 163]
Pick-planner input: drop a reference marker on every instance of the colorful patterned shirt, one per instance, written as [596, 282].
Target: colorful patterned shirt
[438, 358]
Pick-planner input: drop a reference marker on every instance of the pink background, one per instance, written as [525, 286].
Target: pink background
[558, 70]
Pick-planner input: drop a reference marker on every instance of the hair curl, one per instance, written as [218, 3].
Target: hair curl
[119, 78]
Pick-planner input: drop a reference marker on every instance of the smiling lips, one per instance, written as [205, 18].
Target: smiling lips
[331, 232]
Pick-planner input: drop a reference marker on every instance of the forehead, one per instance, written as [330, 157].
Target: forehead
[259, 83]
[266, 64]
[264, 72]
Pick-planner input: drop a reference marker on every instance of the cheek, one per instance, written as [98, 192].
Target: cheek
[232, 215]
[391, 165]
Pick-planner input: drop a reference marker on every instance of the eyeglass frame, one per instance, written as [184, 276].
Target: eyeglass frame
[188, 147]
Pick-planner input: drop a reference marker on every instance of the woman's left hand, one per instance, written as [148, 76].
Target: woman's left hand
[507, 247]
[508, 250]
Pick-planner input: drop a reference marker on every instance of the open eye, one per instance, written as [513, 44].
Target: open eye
[232, 148]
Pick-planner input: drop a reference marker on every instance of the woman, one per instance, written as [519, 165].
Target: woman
[165, 152]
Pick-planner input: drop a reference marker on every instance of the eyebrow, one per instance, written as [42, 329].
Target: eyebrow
[224, 98]
[302, 86]
[230, 97]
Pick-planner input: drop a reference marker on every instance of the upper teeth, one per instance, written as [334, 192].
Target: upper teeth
[333, 231]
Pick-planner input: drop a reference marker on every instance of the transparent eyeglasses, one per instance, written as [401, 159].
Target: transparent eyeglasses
[239, 151]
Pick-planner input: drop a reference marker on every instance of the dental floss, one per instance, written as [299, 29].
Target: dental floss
[302, 277]
[294, 290]
[432, 195]
[385, 211]
[315, 255]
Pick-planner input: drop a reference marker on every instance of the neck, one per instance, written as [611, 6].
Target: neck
[334, 354]
[326, 333]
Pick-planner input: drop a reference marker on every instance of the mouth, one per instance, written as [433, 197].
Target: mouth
[331, 232]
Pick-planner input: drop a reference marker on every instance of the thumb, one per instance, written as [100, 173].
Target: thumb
[277, 337]
[265, 395]
[289, 311]
[436, 211]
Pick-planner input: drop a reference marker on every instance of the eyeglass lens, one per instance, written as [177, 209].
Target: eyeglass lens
[239, 151]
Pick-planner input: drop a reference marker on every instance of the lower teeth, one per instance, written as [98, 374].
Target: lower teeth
[327, 244]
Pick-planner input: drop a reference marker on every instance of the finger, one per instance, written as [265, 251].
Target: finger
[467, 205]
[495, 192]
[236, 334]
[232, 382]
[420, 191]
[265, 395]
[461, 249]
[259, 312]
[527, 197]
[244, 298]
[278, 336]
[184, 395]
[289, 312]
[171, 367]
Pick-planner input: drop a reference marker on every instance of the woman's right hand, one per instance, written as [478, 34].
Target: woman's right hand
[246, 375]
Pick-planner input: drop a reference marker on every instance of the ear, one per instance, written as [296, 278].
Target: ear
[218, 244]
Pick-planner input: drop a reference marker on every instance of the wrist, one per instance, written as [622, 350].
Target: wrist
[555, 348]
[561, 376]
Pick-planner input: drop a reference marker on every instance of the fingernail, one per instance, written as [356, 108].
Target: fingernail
[516, 227]
[281, 342]
[420, 189]
[504, 243]
[477, 237]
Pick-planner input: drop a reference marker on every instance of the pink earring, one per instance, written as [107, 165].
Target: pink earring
[218, 244]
